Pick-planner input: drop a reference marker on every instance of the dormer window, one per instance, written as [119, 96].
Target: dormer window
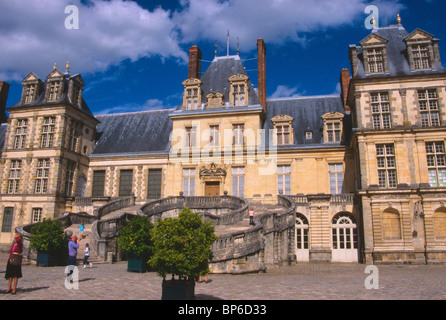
[283, 125]
[30, 93]
[333, 128]
[31, 88]
[192, 94]
[53, 91]
[374, 49]
[238, 93]
[422, 50]
[420, 54]
[375, 59]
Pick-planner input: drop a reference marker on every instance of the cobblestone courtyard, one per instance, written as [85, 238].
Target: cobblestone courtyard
[301, 282]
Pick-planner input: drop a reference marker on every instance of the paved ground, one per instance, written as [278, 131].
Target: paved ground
[301, 282]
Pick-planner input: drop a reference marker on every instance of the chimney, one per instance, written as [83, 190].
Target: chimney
[345, 82]
[194, 63]
[261, 66]
[4, 88]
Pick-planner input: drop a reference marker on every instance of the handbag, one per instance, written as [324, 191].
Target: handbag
[16, 259]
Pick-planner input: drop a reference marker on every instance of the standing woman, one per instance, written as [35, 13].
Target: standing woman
[14, 270]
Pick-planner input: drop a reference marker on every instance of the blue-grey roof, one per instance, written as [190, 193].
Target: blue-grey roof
[396, 55]
[215, 78]
[307, 113]
[138, 132]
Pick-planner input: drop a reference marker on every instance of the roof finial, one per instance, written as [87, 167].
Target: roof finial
[238, 47]
[373, 22]
[215, 48]
[227, 44]
[67, 66]
[398, 19]
[55, 66]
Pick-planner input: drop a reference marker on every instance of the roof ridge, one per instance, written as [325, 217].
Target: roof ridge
[135, 112]
[304, 97]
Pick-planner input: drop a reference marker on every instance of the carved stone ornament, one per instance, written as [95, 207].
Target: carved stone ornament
[212, 171]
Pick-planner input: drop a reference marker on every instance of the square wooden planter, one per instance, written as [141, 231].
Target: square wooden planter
[178, 290]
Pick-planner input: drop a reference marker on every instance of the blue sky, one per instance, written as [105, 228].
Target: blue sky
[133, 54]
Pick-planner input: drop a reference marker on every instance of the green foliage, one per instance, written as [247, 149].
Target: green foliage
[182, 245]
[135, 238]
[48, 235]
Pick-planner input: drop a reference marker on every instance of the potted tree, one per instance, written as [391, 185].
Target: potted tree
[48, 238]
[135, 240]
[182, 249]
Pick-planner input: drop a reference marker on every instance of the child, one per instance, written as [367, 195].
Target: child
[81, 230]
[87, 255]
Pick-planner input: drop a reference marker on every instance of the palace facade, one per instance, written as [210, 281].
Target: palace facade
[366, 168]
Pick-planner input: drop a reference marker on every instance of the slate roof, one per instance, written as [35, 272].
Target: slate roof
[215, 78]
[3, 127]
[307, 113]
[396, 55]
[40, 100]
[138, 132]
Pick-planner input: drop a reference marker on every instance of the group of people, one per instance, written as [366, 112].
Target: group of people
[14, 264]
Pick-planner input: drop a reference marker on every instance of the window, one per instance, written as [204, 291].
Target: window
[75, 133]
[42, 176]
[238, 92]
[76, 95]
[192, 94]
[192, 99]
[189, 182]
[336, 178]
[385, 156]
[436, 164]
[71, 167]
[391, 225]
[283, 135]
[381, 110]
[21, 131]
[214, 136]
[237, 134]
[14, 176]
[48, 129]
[284, 180]
[420, 54]
[428, 102]
[191, 136]
[375, 59]
[239, 95]
[98, 183]
[125, 183]
[53, 90]
[333, 132]
[238, 182]
[36, 215]
[154, 187]
[30, 93]
[283, 124]
[8, 214]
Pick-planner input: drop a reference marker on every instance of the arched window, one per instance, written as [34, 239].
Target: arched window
[302, 241]
[440, 223]
[344, 233]
[391, 224]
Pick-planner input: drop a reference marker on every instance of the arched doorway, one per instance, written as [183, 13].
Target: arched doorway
[344, 238]
[301, 239]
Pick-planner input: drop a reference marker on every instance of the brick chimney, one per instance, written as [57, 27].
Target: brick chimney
[194, 63]
[4, 88]
[261, 67]
[345, 82]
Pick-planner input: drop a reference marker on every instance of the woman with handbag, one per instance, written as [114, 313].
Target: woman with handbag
[14, 266]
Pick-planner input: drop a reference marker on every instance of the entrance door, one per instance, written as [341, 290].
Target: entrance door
[212, 188]
[345, 239]
[301, 240]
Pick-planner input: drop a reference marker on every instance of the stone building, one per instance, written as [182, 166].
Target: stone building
[365, 169]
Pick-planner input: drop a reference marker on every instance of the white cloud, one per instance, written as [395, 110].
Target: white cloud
[286, 92]
[33, 34]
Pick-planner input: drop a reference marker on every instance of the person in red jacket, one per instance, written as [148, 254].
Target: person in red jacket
[14, 272]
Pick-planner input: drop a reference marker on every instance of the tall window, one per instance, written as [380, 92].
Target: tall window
[381, 110]
[191, 136]
[191, 98]
[238, 182]
[42, 176]
[333, 132]
[75, 133]
[154, 187]
[237, 134]
[98, 183]
[239, 95]
[53, 90]
[36, 215]
[14, 176]
[420, 55]
[21, 131]
[436, 163]
[375, 59]
[125, 183]
[336, 178]
[283, 134]
[69, 178]
[214, 135]
[284, 180]
[430, 113]
[385, 156]
[48, 130]
[30, 93]
[8, 214]
[189, 182]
